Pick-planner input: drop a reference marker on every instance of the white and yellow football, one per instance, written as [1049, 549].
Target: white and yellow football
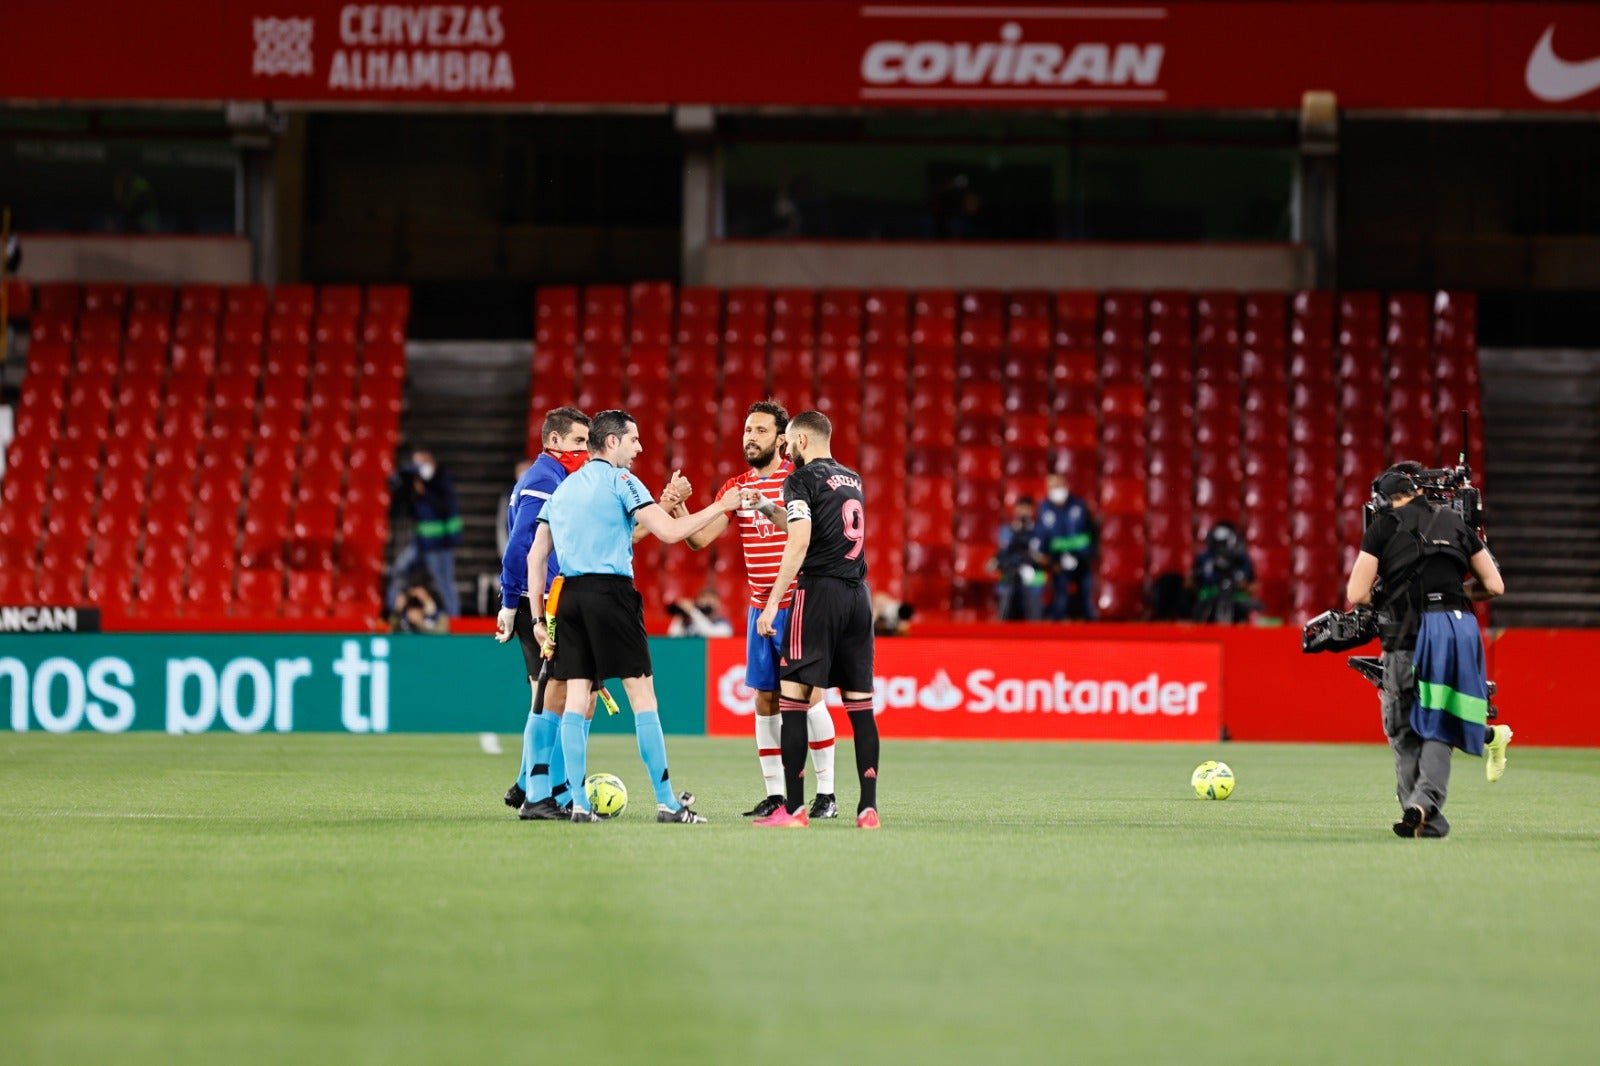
[1212, 780]
[608, 796]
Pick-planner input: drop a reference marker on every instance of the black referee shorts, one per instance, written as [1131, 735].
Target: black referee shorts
[828, 641]
[600, 630]
[523, 628]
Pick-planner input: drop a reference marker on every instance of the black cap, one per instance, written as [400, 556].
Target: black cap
[1394, 483]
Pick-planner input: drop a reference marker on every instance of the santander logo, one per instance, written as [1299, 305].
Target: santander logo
[734, 694]
[984, 690]
[1556, 80]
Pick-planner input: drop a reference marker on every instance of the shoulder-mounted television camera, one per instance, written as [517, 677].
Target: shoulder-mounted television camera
[1450, 488]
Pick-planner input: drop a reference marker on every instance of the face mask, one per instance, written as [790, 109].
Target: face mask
[425, 472]
[571, 461]
[1058, 496]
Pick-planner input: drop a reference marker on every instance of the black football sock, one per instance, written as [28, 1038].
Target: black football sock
[792, 739]
[865, 728]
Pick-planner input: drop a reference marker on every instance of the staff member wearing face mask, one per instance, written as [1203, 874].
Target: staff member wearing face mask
[1067, 535]
[540, 792]
[427, 491]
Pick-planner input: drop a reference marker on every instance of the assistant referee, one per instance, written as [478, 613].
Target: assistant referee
[599, 624]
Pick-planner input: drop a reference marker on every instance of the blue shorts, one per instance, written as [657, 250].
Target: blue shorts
[761, 654]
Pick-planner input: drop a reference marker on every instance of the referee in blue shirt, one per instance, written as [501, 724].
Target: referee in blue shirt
[590, 524]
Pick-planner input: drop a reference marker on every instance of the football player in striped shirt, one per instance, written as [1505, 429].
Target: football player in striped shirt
[763, 540]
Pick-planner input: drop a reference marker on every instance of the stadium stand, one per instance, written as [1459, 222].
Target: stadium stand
[205, 452]
[211, 451]
[1169, 411]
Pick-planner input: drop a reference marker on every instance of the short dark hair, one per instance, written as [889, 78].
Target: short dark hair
[773, 408]
[560, 422]
[813, 422]
[613, 423]
[1024, 498]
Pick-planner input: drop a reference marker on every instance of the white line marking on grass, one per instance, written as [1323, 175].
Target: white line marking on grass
[490, 743]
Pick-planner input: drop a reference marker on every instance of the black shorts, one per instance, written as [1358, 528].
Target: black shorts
[828, 642]
[600, 630]
[523, 628]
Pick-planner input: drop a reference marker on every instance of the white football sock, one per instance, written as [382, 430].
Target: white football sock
[769, 748]
[819, 731]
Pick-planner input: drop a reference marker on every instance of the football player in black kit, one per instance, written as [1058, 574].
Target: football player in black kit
[828, 643]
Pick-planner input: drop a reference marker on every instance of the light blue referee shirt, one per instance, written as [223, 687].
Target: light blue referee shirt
[591, 519]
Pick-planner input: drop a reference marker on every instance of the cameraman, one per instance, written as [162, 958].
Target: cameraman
[1224, 578]
[1021, 566]
[699, 617]
[416, 611]
[1435, 689]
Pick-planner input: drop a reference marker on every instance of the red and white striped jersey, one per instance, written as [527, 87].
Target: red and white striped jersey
[763, 540]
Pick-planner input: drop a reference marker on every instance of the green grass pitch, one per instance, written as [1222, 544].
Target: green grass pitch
[223, 899]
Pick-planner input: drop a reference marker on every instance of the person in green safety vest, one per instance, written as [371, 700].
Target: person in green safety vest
[1069, 537]
[424, 490]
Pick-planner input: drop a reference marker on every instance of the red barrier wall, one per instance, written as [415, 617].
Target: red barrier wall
[1547, 691]
[1271, 691]
[1268, 689]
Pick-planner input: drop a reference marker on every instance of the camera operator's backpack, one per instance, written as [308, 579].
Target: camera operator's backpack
[1423, 530]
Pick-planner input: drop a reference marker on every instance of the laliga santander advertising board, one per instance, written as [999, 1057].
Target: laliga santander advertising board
[1014, 690]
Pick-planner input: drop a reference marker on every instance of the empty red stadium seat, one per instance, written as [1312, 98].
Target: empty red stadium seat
[209, 591]
[340, 301]
[57, 297]
[390, 303]
[246, 301]
[259, 593]
[105, 297]
[1076, 317]
[200, 299]
[1122, 401]
[196, 327]
[335, 330]
[152, 326]
[284, 330]
[983, 496]
[97, 358]
[293, 302]
[48, 362]
[1122, 495]
[144, 358]
[51, 328]
[243, 328]
[18, 297]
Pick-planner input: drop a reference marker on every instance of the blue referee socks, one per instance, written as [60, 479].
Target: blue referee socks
[574, 745]
[653, 750]
[528, 745]
[543, 758]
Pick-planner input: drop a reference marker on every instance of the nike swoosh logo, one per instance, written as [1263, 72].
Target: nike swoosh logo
[1553, 79]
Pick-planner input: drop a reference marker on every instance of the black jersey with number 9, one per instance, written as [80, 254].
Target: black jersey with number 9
[830, 496]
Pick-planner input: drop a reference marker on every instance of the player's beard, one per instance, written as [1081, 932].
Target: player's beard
[761, 459]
